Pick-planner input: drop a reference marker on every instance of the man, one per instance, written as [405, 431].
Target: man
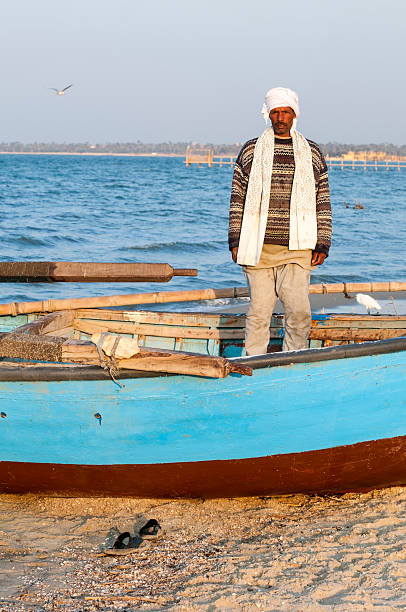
[280, 222]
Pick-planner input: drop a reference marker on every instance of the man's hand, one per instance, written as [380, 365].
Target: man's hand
[318, 258]
[234, 252]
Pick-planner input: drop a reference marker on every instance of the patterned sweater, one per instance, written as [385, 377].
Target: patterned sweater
[277, 228]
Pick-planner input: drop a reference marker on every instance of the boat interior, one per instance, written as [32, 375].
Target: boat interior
[213, 334]
[191, 343]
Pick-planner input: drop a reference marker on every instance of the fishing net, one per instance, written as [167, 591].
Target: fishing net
[33, 348]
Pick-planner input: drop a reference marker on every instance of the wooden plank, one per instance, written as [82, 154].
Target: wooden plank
[50, 348]
[187, 319]
[64, 332]
[194, 319]
[355, 334]
[359, 322]
[156, 360]
[48, 324]
[365, 317]
[88, 272]
[165, 331]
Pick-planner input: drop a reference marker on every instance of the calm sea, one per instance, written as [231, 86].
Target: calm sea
[130, 209]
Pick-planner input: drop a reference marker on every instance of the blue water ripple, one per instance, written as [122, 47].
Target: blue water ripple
[145, 209]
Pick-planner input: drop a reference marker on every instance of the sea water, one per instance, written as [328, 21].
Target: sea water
[155, 209]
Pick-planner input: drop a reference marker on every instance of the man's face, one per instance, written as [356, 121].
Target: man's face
[282, 120]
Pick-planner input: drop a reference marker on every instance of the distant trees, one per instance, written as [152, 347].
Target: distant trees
[333, 149]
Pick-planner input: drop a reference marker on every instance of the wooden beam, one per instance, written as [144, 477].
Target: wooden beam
[355, 334]
[50, 323]
[156, 360]
[166, 297]
[162, 331]
[157, 297]
[49, 348]
[88, 272]
[361, 322]
[385, 286]
[189, 319]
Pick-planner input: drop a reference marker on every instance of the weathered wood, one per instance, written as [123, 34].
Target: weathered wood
[377, 319]
[163, 331]
[50, 348]
[158, 297]
[355, 334]
[156, 360]
[87, 272]
[190, 319]
[384, 286]
[48, 324]
[361, 322]
[166, 297]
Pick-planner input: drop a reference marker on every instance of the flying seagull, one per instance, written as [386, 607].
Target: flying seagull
[61, 92]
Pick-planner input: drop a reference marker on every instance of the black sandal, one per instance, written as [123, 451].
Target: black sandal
[123, 547]
[150, 531]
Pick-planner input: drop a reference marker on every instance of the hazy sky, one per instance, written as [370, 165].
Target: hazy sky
[181, 70]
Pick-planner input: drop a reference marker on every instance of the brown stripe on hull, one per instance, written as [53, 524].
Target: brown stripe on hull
[356, 467]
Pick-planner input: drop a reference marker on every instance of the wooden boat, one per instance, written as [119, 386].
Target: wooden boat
[328, 419]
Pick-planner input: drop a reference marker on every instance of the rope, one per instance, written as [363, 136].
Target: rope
[109, 366]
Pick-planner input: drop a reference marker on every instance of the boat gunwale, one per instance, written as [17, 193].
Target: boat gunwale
[42, 372]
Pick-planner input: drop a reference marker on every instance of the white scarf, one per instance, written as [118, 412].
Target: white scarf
[303, 221]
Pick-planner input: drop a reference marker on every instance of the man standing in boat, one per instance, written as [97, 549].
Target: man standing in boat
[280, 222]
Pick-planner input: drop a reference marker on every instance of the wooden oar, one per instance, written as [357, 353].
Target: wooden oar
[158, 297]
[165, 297]
[88, 272]
[378, 287]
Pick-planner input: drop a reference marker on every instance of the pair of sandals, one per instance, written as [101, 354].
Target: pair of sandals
[126, 543]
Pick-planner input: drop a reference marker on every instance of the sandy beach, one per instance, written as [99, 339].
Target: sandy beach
[282, 553]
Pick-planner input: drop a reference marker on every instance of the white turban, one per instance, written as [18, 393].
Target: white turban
[280, 96]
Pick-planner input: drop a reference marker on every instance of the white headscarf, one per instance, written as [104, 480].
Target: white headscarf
[303, 220]
[281, 96]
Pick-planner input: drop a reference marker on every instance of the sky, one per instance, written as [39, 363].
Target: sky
[181, 70]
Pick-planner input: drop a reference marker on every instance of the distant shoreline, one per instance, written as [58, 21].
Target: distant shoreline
[92, 154]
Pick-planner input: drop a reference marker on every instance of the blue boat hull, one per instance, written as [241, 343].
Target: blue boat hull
[321, 421]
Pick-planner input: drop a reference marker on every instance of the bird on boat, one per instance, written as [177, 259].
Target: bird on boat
[61, 92]
[368, 302]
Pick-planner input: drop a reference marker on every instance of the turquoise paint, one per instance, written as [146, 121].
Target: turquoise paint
[9, 323]
[280, 410]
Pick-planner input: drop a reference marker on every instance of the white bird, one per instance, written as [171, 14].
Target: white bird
[61, 92]
[368, 302]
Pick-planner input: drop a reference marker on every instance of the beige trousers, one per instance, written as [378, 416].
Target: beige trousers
[290, 283]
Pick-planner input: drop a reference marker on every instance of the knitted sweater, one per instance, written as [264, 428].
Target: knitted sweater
[277, 227]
